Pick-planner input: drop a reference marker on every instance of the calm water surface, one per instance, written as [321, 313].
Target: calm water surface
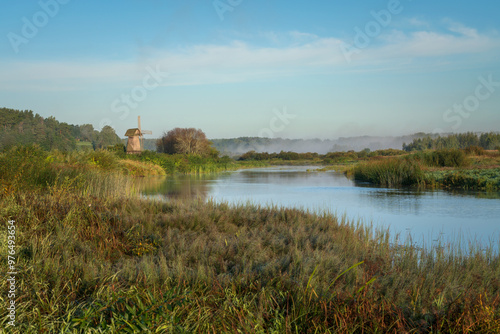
[428, 217]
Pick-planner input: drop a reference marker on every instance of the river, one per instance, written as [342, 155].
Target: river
[428, 217]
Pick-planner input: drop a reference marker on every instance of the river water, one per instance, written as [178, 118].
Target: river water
[428, 217]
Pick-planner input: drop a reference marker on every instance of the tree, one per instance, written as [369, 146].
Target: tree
[87, 133]
[184, 141]
[107, 137]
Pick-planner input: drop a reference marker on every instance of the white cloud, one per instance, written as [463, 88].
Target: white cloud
[428, 44]
[239, 61]
[461, 29]
[416, 22]
[298, 36]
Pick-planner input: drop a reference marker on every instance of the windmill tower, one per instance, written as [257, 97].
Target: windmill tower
[135, 143]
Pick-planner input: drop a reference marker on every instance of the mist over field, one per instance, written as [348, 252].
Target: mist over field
[240, 145]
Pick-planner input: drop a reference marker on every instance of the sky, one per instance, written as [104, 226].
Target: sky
[233, 68]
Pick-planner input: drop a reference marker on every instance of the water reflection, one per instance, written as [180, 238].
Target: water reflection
[177, 187]
[422, 215]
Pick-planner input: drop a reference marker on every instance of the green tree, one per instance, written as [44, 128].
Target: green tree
[107, 137]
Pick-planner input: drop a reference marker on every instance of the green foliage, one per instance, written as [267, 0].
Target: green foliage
[104, 159]
[26, 167]
[132, 311]
[487, 141]
[480, 179]
[390, 173]
[336, 157]
[441, 158]
[285, 156]
[474, 150]
[331, 157]
[387, 152]
[186, 164]
[364, 153]
[26, 128]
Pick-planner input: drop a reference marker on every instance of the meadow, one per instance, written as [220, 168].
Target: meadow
[94, 258]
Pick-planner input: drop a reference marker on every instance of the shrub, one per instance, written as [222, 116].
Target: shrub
[390, 173]
[105, 159]
[474, 150]
[334, 157]
[441, 158]
[26, 166]
[387, 152]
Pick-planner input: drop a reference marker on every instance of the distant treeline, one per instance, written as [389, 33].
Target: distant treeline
[238, 146]
[25, 128]
[330, 157]
[487, 141]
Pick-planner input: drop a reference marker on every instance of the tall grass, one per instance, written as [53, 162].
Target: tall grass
[130, 265]
[90, 263]
[390, 172]
[442, 158]
[479, 179]
[444, 168]
[186, 164]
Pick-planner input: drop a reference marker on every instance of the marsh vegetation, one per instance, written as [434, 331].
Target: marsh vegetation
[95, 258]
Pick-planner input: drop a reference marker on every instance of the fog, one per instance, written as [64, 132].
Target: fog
[236, 146]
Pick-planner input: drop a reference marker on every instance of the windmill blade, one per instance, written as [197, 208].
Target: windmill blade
[147, 132]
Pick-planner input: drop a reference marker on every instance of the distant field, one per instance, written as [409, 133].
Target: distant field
[84, 145]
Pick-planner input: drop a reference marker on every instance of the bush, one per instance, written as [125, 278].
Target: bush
[474, 150]
[441, 158]
[387, 152]
[185, 141]
[335, 157]
[390, 173]
[26, 166]
[104, 159]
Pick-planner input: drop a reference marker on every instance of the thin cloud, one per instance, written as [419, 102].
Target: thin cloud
[240, 61]
[416, 22]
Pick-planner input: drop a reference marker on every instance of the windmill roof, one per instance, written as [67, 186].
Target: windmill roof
[132, 132]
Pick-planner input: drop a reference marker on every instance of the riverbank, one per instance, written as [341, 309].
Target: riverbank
[453, 169]
[99, 258]
[472, 168]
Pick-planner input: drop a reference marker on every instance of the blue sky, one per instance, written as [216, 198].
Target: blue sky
[320, 69]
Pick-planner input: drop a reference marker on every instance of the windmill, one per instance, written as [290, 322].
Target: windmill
[135, 143]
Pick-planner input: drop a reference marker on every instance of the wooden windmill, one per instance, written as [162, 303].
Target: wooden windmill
[135, 143]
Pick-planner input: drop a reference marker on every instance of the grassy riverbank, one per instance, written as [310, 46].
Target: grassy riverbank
[457, 169]
[97, 259]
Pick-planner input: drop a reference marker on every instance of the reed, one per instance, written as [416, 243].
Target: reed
[390, 172]
[91, 262]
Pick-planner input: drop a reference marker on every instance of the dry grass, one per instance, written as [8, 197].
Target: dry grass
[89, 263]
[95, 260]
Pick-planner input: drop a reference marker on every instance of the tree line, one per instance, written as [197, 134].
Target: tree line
[487, 141]
[19, 127]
